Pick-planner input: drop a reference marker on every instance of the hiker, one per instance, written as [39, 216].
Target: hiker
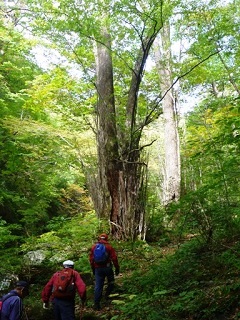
[61, 291]
[12, 302]
[103, 268]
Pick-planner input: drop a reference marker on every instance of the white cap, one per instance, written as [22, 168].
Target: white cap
[68, 264]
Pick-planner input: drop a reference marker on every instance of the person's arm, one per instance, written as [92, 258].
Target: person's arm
[47, 290]
[114, 258]
[16, 309]
[80, 285]
[91, 259]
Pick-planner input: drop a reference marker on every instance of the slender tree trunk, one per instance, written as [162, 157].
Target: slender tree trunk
[171, 184]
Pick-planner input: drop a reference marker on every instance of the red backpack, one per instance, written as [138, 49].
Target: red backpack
[63, 286]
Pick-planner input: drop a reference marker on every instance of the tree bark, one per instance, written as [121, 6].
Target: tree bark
[172, 178]
[122, 174]
[120, 181]
[108, 157]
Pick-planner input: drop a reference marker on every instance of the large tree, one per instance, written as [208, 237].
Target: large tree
[120, 166]
[120, 116]
[110, 43]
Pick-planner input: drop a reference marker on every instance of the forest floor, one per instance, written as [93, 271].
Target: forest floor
[209, 282]
[219, 283]
[108, 307]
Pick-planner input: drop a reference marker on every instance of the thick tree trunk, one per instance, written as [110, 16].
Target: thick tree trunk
[121, 178]
[109, 165]
[133, 184]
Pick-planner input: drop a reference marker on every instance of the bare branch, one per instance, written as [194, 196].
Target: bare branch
[150, 117]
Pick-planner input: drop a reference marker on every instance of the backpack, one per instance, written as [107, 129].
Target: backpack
[100, 254]
[63, 286]
[4, 298]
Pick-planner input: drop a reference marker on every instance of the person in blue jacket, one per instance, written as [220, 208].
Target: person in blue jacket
[12, 302]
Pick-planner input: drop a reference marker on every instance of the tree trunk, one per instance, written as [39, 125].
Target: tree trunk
[122, 175]
[109, 164]
[120, 182]
[171, 181]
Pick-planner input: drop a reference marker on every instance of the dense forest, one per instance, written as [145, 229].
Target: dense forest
[123, 117]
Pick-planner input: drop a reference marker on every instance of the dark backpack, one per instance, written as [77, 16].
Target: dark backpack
[4, 298]
[100, 254]
[63, 286]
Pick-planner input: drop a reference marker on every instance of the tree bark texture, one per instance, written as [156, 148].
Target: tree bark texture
[109, 165]
[122, 175]
[171, 179]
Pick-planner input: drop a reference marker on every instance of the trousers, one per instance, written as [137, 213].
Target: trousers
[100, 275]
[64, 309]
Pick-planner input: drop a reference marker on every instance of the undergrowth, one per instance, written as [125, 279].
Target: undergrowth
[195, 282]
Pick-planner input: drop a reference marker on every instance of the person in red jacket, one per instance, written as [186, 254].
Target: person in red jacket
[103, 270]
[64, 306]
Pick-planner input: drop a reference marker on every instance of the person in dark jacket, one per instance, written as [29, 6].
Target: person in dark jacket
[103, 270]
[12, 305]
[64, 307]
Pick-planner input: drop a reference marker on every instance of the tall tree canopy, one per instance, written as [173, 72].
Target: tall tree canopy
[110, 43]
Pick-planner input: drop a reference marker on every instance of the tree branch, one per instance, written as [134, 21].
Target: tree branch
[149, 118]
